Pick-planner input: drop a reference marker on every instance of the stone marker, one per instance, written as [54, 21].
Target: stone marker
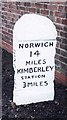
[34, 41]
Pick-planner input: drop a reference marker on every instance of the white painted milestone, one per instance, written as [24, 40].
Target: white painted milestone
[34, 41]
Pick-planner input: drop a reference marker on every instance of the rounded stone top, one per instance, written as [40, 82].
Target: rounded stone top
[34, 27]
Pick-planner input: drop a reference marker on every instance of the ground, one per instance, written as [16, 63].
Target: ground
[52, 110]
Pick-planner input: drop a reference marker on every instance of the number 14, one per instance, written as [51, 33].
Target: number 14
[35, 53]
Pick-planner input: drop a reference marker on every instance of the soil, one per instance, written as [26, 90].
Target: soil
[53, 110]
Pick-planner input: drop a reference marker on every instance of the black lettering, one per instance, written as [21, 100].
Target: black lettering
[32, 76]
[39, 61]
[43, 69]
[43, 76]
[22, 77]
[41, 44]
[31, 45]
[47, 68]
[44, 61]
[25, 70]
[51, 44]
[45, 83]
[27, 62]
[30, 70]
[38, 76]
[51, 67]
[28, 77]
[28, 84]
[35, 62]
[35, 76]
[41, 83]
[35, 84]
[18, 71]
[21, 46]
[25, 77]
[30, 53]
[46, 44]
[37, 44]
[39, 69]
[35, 69]
[31, 62]
[26, 45]
[24, 84]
